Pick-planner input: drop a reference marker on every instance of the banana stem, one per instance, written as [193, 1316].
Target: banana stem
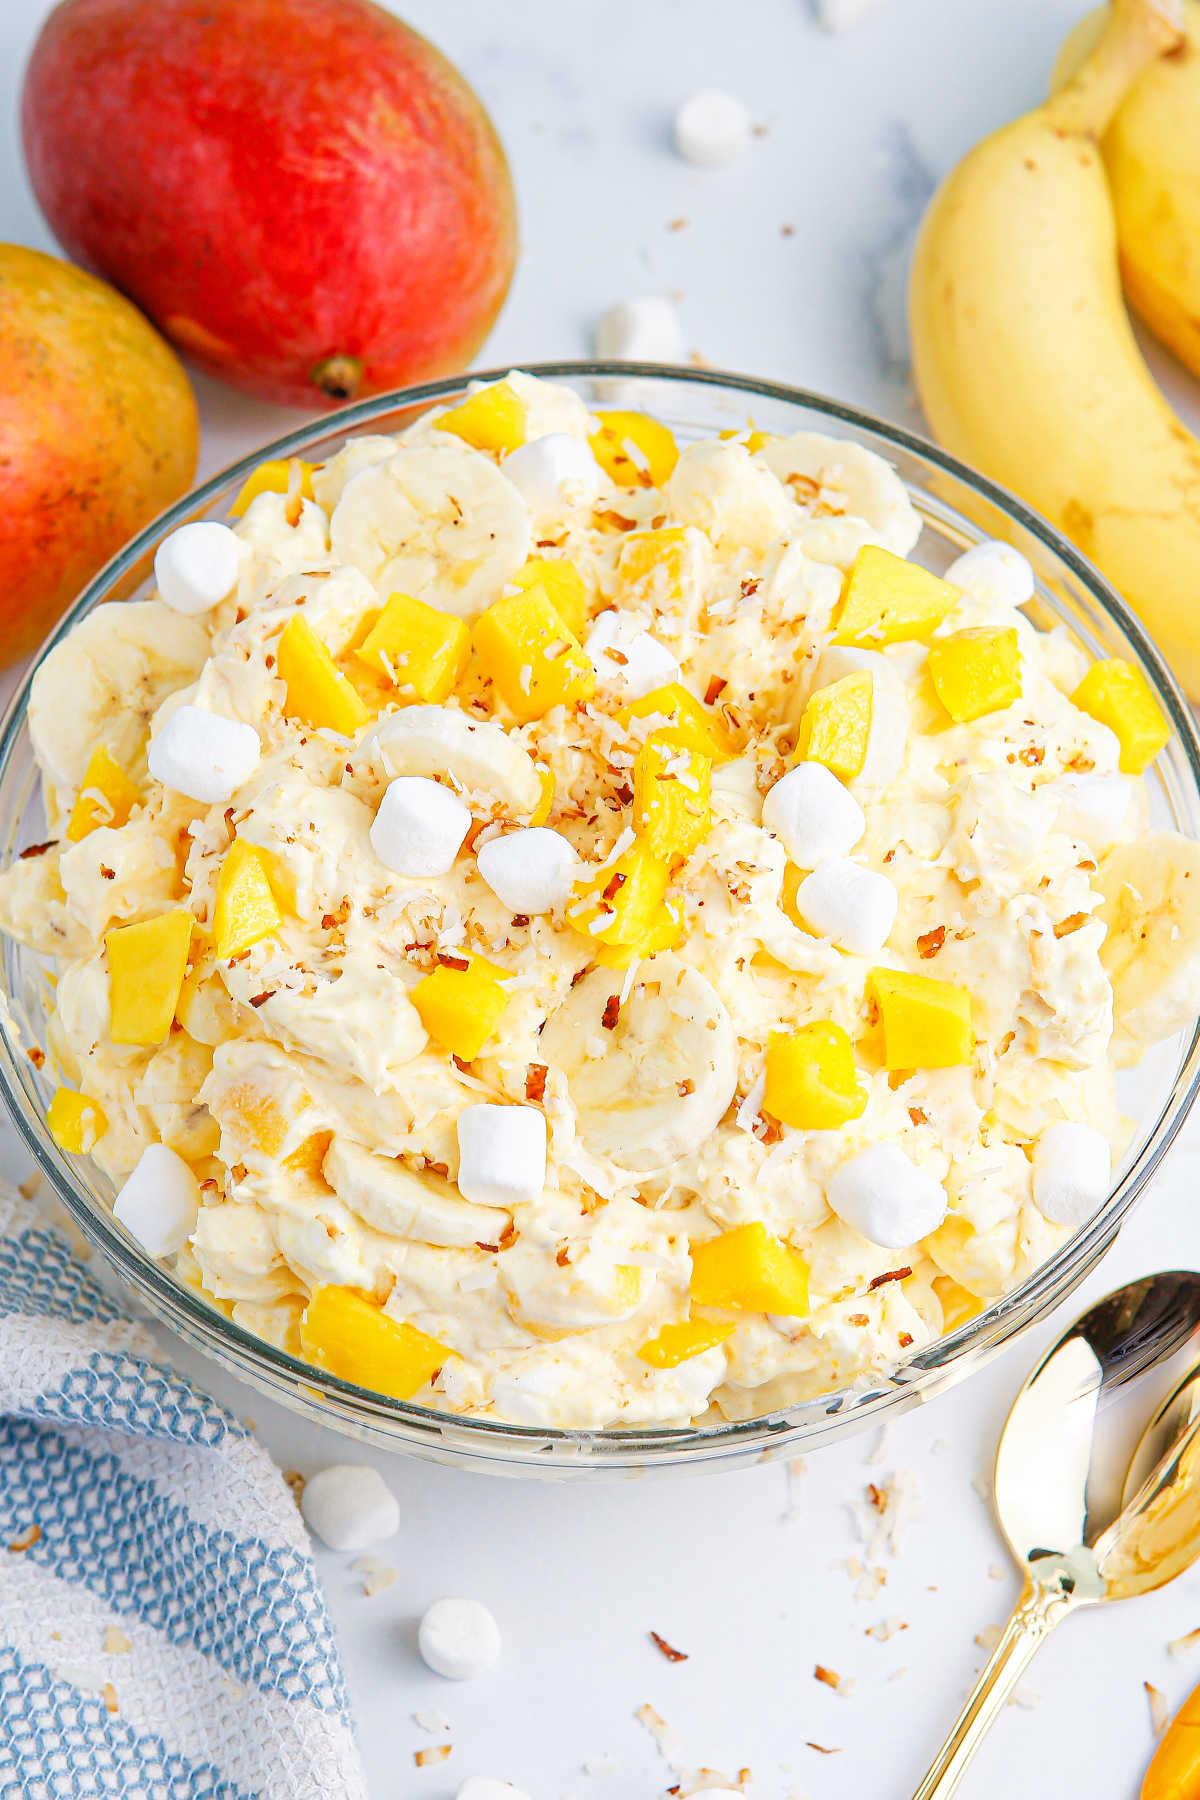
[1135, 32]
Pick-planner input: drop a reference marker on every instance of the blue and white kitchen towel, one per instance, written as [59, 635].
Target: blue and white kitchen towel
[163, 1634]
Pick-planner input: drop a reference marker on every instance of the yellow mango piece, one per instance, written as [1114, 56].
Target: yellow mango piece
[671, 789]
[536, 662]
[542, 810]
[317, 691]
[633, 449]
[656, 559]
[621, 902]
[1117, 694]
[272, 478]
[493, 419]
[244, 905]
[957, 1302]
[677, 1344]
[345, 1332]
[976, 671]
[563, 586]
[926, 1023]
[689, 720]
[416, 646]
[146, 966]
[258, 1116]
[812, 1082]
[461, 1007]
[836, 725]
[106, 795]
[751, 1270]
[792, 877]
[663, 931]
[74, 1121]
[754, 439]
[886, 600]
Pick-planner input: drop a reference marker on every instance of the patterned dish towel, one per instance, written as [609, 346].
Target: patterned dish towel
[163, 1634]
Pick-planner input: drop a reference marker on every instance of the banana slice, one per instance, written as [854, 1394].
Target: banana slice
[396, 1200]
[1151, 907]
[478, 755]
[362, 1023]
[443, 525]
[652, 1088]
[103, 684]
[358, 453]
[848, 488]
[729, 495]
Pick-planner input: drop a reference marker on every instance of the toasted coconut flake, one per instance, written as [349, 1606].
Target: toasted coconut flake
[25, 1540]
[115, 1642]
[824, 1749]
[296, 1482]
[1181, 1646]
[668, 1650]
[667, 1740]
[377, 1574]
[433, 1753]
[108, 1694]
[1160, 1712]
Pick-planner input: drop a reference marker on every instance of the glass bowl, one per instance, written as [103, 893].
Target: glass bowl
[958, 508]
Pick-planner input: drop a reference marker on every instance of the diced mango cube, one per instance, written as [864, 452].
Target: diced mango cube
[655, 559]
[492, 419]
[633, 449]
[244, 905]
[621, 902]
[345, 1332]
[536, 662]
[1117, 694]
[74, 1121]
[792, 877]
[691, 722]
[886, 600]
[664, 931]
[563, 586]
[957, 1302]
[671, 789]
[106, 795]
[460, 1006]
[272, 478]
[751, 1270]
[146, 966]
[926, 1023]
[678, 1343]
[835, 727]
[317, 691]
[976, 671]
[812, 1082]
[542, 810]
[417, 647]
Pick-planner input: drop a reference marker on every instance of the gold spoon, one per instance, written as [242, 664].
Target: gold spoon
[1069, 1558]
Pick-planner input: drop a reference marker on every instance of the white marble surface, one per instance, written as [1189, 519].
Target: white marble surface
[739, 1570]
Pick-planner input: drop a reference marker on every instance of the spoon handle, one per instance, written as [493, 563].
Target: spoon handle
[1040, 1608]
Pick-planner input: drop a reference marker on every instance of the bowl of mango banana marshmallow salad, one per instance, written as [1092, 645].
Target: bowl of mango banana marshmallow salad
[549, 921]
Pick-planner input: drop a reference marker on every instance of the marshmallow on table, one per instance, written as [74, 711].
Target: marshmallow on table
[204, 755]
[502, 1154]
[881, 1194]
[1094, 808]
[196, 567]
[851, 906]
[640, 664]
[813, 815]
[529, 871]
[459, 1639]
[993, 572]
[1072, 1173]
[553, 472]
[419, 827]
[350, 1506]
[712, 128]
[646, 330]
[159, 1201]
[482, 1787]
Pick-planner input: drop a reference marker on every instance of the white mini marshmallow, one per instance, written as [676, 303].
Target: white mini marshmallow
[203, 755]
[159, 1201]
[530, 871]
[349, 1506]
[196, 567]
[993, 572]
[1072, 1173]
[1093, 808]
[459, 1639]
[853, 907]
[502, 1154]
[482, 1787]
[813, 814]
[881, 1194]
[553, 473]
[646, 330]
[712, 128]
[419, 827]
[640, 664]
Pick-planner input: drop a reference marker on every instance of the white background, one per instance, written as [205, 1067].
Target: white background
[857, 127]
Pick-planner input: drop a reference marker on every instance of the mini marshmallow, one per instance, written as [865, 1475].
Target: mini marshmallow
[993, 572]
[641, 663]
[159, 1201]
[881, 1194]
[1072, 1173]
[459, 1639]
[482, 1787]
[1093, 808]
[529, 871]
[204, 755]
[196, 567]
[646, 330]
[853, 907]
[419, 827]
[712, 129]
[349, 1506]
[502, 1154]
[553, 472]
[813, 814]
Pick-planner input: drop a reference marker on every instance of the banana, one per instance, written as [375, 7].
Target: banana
[853, 497]
[478, 755]
[397, 1201]
[1152, 949]
[328, 1019]
[1024, 357]
[441, 524]
[654, 1086]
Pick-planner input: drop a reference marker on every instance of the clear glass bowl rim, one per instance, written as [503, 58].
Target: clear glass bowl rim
[521, 1449]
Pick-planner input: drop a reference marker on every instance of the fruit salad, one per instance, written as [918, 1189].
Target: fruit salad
[578, 929]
